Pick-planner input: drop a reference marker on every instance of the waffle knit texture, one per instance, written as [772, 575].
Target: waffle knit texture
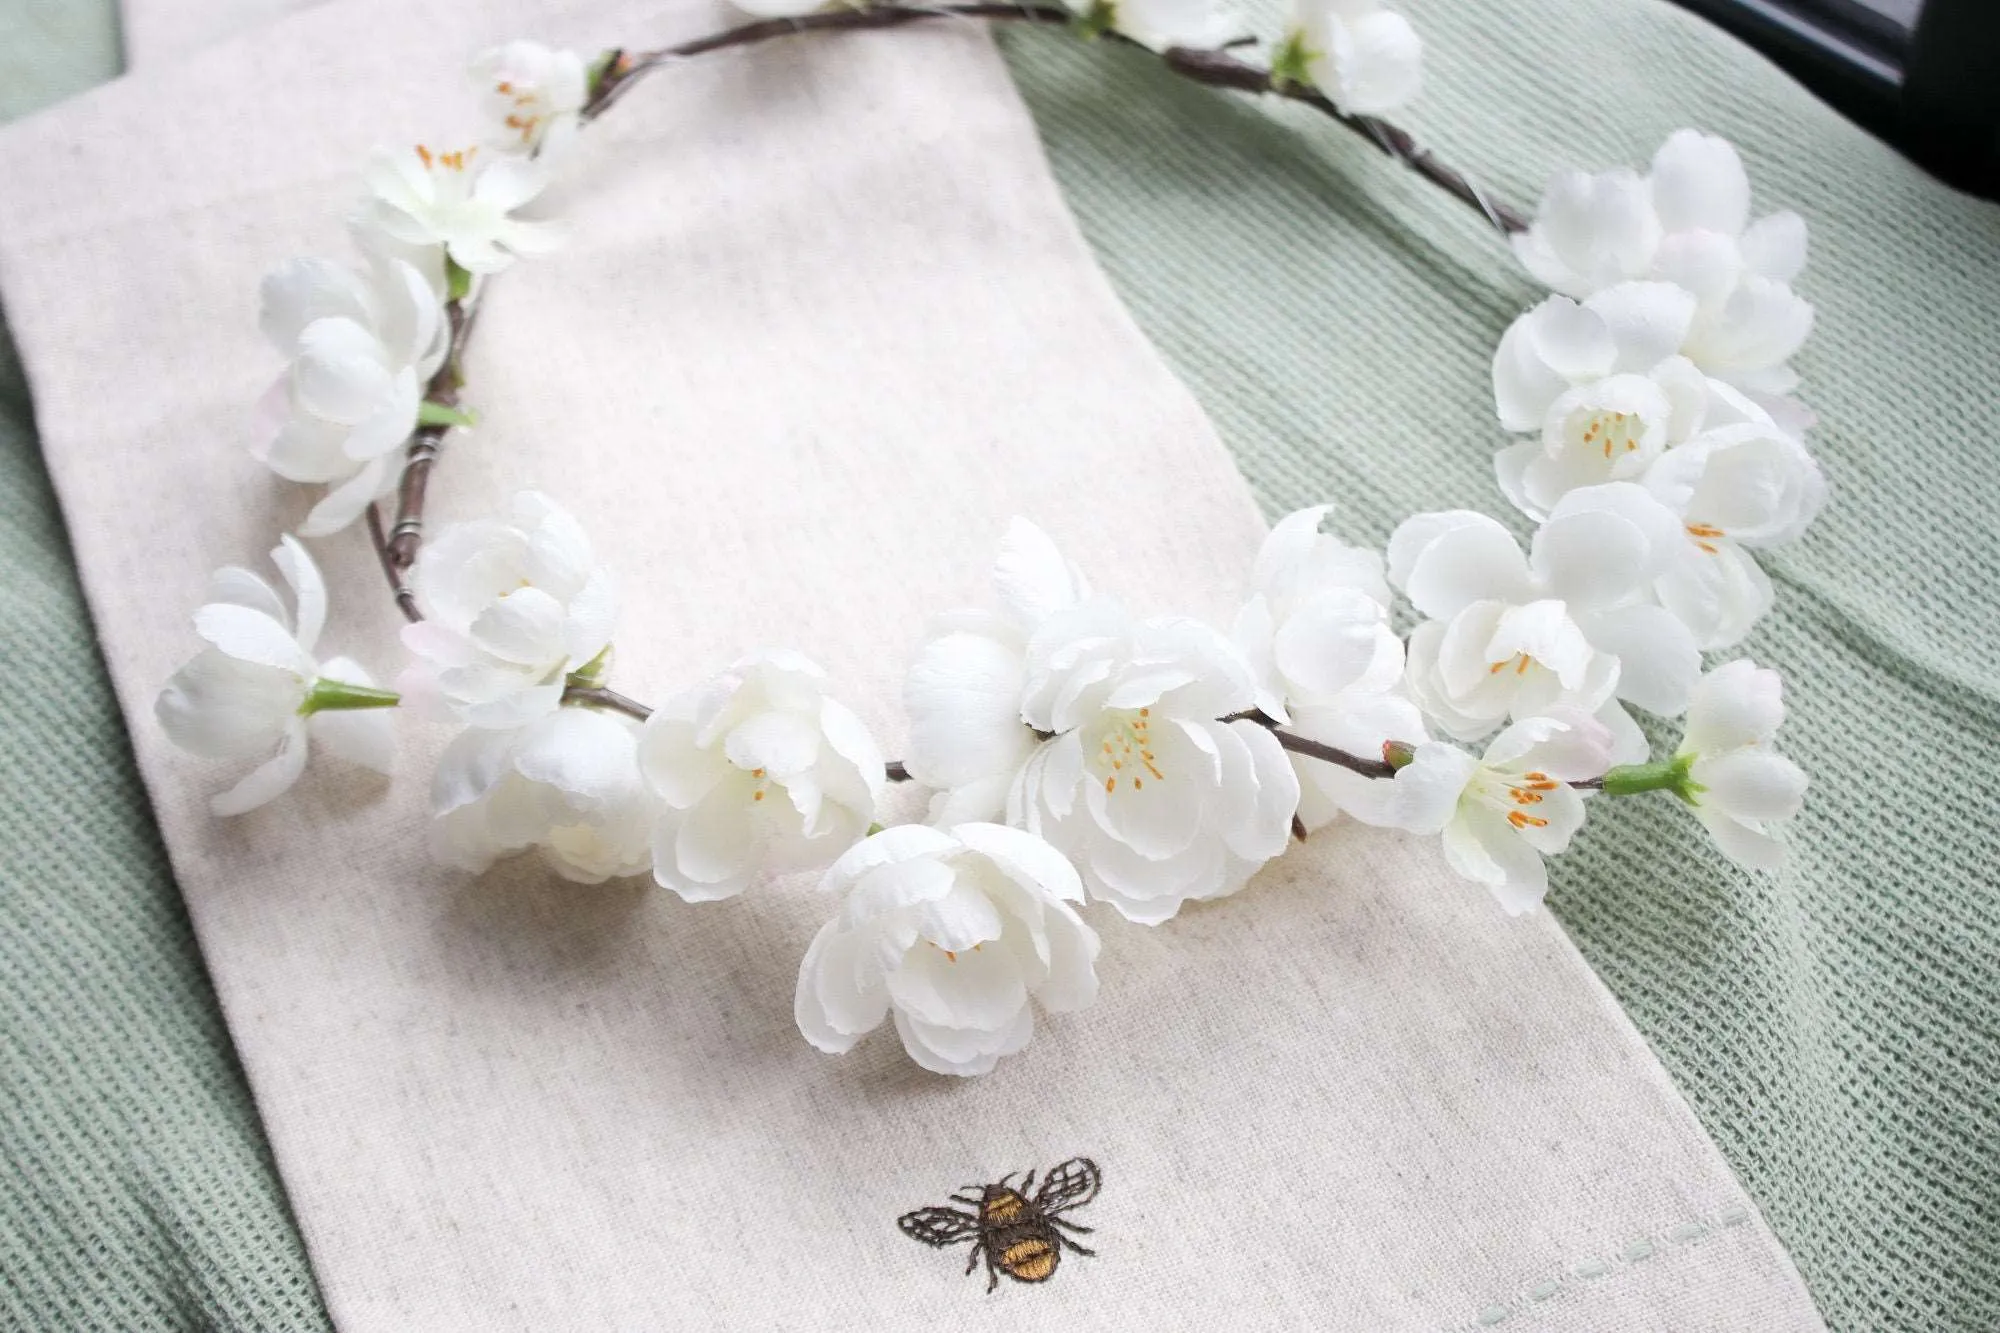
[1835, 1027]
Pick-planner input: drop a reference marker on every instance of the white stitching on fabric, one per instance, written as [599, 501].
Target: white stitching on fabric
[1593, 1269]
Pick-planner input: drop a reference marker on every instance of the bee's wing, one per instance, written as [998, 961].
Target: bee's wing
[938, 1226]
[1069, 1185]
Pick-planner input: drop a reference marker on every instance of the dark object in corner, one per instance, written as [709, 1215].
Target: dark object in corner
[1923, 75]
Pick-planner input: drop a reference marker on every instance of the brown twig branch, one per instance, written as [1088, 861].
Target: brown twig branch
[596, 696]
[1216, 69]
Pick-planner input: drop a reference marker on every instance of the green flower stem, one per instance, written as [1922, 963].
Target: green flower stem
[1663, 775]
[329, 696]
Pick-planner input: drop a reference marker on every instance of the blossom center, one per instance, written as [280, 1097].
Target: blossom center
[1519, 661]
[1515, 795]
[1125, 750]
[1615, 432]
[454, 160]
[1704, 535]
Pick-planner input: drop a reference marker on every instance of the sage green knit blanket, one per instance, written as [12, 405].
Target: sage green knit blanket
[1837, 1027]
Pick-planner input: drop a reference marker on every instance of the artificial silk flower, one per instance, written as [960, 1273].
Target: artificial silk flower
[964, 690]
[1687, 222]
[1748, 322]
[1742, 789]
[257, 689]
[1365, 58]
[512, 606]
[1601, 384]
[459, 201]
[1504, 811]
[1144, 781]
[1316, 627]
[1591, 231]
[957, 933]
[532, 96]
[1160, 25]
[1737, 488]
[1102, 733]
[757, 771]
[361, 347]
[1570, 624]
[566, 784]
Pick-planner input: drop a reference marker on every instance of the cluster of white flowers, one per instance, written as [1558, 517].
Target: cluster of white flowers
[1077, 752]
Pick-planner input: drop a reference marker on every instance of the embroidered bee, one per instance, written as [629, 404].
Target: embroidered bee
[1016, 1233]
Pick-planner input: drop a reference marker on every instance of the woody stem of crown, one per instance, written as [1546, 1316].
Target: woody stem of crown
[595, 696]
[396, 545]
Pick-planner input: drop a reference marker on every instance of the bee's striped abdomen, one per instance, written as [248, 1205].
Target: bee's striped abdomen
[1029, 1260]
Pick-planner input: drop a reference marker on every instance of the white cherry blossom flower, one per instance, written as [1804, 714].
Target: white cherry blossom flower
[460, 202]
[1602, 386]
[257, 689]
[1687, 222]
[957, 933]
[758, 771]
[1316, 632]
[1569, 624]
[1367, 59]
[1503, 812]
[362, 348]
[1316, 627]
[512, 605]
[965, 689]
[566, 784]
[1143, 782]
[1742, 789]
[1161, 24]
[532, 96]
[1591, 231]
[1102, 733]
[1740, 487]
[1749, 322]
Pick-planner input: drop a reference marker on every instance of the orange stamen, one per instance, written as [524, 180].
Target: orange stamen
[1522, 819]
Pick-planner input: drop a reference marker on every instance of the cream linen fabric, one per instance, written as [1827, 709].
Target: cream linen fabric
[157, 32]
[822, 327]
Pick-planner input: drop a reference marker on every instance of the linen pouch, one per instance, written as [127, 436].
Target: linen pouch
[822, 325]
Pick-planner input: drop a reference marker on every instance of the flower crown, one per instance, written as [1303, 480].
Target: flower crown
[1078, 753]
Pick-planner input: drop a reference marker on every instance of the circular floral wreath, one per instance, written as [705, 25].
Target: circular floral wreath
[1077, 753]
